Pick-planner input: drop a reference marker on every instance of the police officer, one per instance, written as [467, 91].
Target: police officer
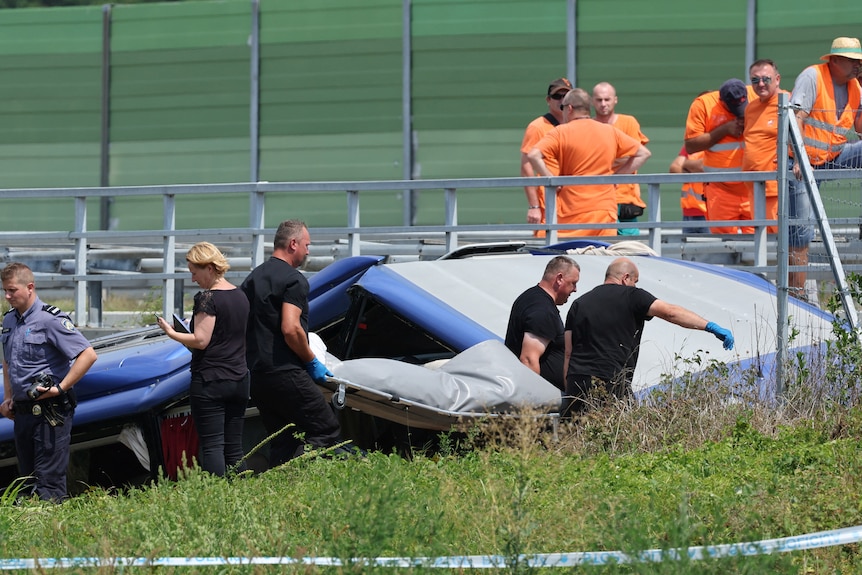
[43, 357]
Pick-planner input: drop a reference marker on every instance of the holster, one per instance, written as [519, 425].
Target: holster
[54, 410]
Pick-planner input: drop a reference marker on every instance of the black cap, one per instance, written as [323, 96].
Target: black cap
[734, 94]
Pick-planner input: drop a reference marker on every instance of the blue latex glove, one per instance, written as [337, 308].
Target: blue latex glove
[723, 334]
[319, 373]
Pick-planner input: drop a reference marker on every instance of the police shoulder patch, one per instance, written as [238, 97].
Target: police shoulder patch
[67, 323]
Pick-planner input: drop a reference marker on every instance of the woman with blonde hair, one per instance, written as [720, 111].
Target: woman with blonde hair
[220, 385]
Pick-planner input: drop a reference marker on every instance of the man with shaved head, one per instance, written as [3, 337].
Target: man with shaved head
[629, 200]
[582, 147]
[535, 330]
[603, 334]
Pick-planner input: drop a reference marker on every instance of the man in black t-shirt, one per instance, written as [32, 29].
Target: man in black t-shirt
[282, 365]
[603, 334]
[535, 330]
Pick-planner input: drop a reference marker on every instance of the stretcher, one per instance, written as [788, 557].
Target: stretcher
[485, 381]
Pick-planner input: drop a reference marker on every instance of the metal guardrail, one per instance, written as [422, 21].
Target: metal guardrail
[85, 252]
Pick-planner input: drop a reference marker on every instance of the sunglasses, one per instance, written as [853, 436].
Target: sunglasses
[558, 96]
[755, 80]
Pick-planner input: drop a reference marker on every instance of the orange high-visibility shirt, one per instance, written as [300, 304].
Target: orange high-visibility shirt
[707, 113]
[585, 147]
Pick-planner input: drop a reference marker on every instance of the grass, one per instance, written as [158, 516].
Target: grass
[688, 469]
[502, 489]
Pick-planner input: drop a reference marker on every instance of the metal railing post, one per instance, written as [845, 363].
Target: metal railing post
[760, 230]
[654, 210]
[353, 236]
[169, 264]
[257, 202]
[81, 317]
[451, 219]
[179, 288]
[94, 311]
[551, 214]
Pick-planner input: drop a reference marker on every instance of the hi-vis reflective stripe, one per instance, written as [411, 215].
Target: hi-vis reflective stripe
[727, 146]
[812, 143]
[831, 128]
[689, 193]
[827, 126]
[817, 540]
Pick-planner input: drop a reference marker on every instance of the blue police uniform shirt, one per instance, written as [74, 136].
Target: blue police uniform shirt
[39, 341]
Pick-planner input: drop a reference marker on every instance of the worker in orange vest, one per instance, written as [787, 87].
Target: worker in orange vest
[826, 98]
[691, 199]
[714, 126]
[535, 131]
[629, 200]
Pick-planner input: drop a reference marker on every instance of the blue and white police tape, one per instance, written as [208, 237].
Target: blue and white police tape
[817, 540]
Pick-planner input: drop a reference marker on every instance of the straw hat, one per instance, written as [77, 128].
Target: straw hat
[847, 47]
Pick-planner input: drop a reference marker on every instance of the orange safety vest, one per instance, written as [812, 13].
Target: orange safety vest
[726, 154]
[691, 198]
[824, 136]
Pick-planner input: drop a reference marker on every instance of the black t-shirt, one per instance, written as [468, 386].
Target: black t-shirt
[267, 287]
[606, 324]
[224, 357]
[535, 312]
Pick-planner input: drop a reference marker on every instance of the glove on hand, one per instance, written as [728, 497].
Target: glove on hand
[723, 334]
[318, 371]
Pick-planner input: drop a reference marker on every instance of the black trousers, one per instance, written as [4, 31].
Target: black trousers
[218, 408]
[584, 391]
[291, 396]
[43, 450]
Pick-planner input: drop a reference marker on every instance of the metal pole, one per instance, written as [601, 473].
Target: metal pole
[654, 209]
[407, 156]
[785, 115]
[750, 36]
[451, 219]
[572, 41]
[81, 313]
[169, 220]
[759, 213]
[353, 236]
[256, 199]
[254, 100]
[105, 129]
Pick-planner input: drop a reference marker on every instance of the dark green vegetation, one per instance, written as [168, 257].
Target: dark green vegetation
[704, 464]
